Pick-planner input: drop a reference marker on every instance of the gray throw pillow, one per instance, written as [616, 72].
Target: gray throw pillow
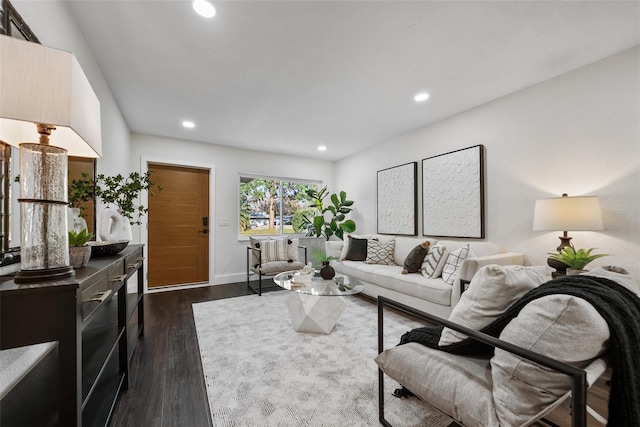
[413, 261]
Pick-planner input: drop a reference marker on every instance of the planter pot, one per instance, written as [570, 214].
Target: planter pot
[327, 272]
[79, 256]
[572, 272]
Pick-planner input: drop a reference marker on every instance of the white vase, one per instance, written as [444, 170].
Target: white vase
[114, 226]
[74, 221]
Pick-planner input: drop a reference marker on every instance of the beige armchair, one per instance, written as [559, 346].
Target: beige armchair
[269, 256]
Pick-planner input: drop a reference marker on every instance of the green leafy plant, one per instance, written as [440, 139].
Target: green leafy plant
[316, 222]
[81, 191]
[118, 190]
[80, 238]
[575, 259]
[319, 256]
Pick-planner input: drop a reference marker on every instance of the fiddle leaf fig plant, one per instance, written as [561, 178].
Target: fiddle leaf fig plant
[337, 224]
[575, 259]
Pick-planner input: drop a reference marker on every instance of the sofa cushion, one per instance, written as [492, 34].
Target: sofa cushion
[491, 291]
[453, 264]
[391, 277]
[356, 249]
[380, 252]
[458, 386]
[617, 274]
[563, 327]
[413, 261]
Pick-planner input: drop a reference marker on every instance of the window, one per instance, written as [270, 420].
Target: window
[271, 206]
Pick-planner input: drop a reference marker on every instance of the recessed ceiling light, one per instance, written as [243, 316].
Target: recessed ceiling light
[204, 8]
[421, 97]
[188, 124]
[322, 148]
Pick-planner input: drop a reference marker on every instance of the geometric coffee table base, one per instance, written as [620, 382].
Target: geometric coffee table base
[313, 313]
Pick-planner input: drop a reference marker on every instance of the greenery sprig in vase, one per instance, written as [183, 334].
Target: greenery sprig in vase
[119, 191]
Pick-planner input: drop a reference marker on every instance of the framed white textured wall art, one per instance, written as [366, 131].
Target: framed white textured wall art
[398, 200]
[453, 194]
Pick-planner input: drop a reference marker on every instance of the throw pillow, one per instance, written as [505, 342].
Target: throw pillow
[453, 264]
[345, 245]
[273, 250]
[563, 327]
[380, 252]
[414, 260]
[493, 289]
[256, 242]
[357, 249]
[434, 261]
[617, 274]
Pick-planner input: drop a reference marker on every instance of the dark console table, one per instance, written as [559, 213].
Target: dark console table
[96, 319]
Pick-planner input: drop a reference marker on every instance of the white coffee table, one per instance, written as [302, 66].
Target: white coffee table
[316, 306]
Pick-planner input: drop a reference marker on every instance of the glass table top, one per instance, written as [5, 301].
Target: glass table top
[338, 286]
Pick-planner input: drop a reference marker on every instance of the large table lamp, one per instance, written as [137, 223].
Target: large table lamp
[566, 214]
[49, 110]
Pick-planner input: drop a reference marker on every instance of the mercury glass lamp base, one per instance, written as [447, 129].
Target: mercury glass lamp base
[31, 276]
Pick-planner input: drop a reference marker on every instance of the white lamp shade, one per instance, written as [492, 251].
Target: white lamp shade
[40, 84]
[568, 214]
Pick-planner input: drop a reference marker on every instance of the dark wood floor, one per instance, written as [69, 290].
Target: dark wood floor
[167, 386]
[167, 383]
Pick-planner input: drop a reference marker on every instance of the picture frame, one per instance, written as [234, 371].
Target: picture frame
[397, 197]
[453, 194]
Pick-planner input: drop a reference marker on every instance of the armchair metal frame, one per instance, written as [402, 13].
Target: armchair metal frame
[260, 273]
[578, 376]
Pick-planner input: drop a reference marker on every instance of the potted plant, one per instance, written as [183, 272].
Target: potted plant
[122, 193]
[337, 224]
[119, 194]
[327, 272]
[79, 249]
[576, 260]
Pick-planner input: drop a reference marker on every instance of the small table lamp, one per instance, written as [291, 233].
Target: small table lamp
[566, 214]
[49, 110]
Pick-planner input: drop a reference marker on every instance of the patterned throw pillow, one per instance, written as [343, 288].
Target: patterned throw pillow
[434, 261]
[380, 253]
[274, 250]
[453, 264]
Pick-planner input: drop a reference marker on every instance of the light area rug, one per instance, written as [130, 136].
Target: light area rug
[260, 372]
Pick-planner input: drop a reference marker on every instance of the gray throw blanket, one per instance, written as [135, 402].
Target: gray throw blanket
[619, 307]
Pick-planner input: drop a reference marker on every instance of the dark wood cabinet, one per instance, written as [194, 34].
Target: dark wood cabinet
[95, 318]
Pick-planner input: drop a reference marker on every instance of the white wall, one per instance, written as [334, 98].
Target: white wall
[227, 252]
[54, 25]
[578, 133]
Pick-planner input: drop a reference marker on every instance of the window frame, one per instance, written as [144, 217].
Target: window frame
[279, 208]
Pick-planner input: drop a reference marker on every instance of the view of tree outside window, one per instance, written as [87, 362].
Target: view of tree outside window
[273, 206]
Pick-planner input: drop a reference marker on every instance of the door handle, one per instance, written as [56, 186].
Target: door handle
[204, 231]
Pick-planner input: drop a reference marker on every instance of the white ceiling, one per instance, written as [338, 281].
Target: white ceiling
[287, 76]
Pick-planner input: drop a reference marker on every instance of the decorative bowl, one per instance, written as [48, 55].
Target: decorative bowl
[107, 248]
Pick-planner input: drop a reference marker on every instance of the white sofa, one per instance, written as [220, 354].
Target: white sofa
[433, 296]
